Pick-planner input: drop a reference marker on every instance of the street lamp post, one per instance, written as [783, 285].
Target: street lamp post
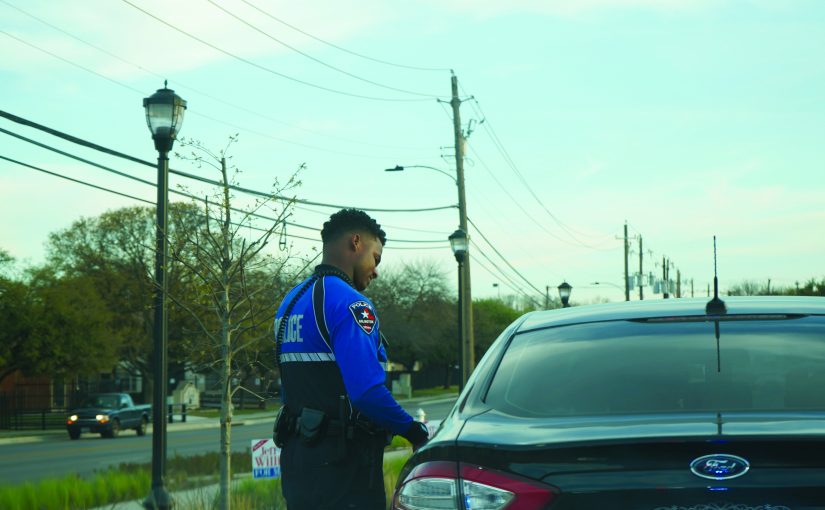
[564, 294]
[164, 115]
[460, 245]
[468, 362]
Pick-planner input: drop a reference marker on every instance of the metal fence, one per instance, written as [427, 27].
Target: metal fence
[42, 406]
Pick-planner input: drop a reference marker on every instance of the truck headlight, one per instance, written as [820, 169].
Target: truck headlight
[72, 418]
[102, 418]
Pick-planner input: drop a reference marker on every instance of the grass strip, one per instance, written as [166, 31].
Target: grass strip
[132, 482]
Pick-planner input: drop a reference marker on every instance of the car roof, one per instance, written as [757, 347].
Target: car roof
[659, 308]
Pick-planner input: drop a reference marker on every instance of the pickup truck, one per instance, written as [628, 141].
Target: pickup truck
[108, 414]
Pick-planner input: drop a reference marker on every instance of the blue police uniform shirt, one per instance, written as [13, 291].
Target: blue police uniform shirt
[355, 346]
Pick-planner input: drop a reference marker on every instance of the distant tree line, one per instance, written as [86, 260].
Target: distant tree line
[811, 287]
[88, 308]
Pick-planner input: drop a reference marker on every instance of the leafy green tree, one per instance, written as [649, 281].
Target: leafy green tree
[417, 314]
[52, 325]
[116, 252]
[490, 318]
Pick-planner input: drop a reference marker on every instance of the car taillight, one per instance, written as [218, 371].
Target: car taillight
[435, 485]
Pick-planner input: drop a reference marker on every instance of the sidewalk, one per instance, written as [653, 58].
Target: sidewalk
[192, 422]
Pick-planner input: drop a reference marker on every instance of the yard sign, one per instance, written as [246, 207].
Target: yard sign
[266, 459]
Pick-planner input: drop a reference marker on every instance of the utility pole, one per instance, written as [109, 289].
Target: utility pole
[467, 301]
[547, 297]
[626, 269]
[641, 271]
[665, 288]
[691, 287]
[678, 283]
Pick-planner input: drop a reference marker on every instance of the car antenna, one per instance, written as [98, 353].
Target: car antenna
[715, 306]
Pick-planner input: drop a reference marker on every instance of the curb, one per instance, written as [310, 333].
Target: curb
[41, 438]
[253, 420]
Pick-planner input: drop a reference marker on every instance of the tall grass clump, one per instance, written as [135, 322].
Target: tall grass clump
[72, 492]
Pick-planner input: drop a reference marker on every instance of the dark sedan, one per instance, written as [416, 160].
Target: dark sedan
[654, 405]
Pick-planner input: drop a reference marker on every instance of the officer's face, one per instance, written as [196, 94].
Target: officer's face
[368, 256]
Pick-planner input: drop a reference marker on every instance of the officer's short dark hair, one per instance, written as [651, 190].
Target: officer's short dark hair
[347, 220]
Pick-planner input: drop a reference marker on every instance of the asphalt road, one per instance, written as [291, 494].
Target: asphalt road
[58, 456]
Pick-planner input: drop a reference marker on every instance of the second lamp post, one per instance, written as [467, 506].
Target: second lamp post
[564, 294]
[460, 245]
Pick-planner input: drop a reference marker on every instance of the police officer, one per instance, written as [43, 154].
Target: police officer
[338, 415]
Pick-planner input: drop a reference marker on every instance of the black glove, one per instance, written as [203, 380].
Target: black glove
[417, 434]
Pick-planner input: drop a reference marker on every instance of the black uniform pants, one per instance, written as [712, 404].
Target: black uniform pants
[317, 478]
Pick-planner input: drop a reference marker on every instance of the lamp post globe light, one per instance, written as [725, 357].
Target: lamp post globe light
[460, 246]
[564, 294]
[164, 116]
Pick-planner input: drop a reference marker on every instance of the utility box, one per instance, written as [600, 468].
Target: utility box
[187, 393]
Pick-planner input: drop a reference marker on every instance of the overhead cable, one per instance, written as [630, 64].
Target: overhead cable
[106, 150]
[187, 195]
[360, 55]
[488, 127]
[149, 202]
[503, 258]
[514, 289]
[502, 274]
[314, 59]
[268, 69]
[194, 111]
[201, 92]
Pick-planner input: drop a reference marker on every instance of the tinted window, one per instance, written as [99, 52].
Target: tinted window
[628, 367]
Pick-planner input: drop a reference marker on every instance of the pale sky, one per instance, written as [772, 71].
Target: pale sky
[685, 118]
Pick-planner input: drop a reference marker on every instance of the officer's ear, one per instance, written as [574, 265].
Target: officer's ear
[355, 241]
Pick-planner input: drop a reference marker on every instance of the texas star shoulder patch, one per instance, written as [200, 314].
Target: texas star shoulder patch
[364, 315]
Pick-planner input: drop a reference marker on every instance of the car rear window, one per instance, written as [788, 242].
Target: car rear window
[623, 367]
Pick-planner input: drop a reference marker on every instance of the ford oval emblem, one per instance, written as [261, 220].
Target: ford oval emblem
[719, 466]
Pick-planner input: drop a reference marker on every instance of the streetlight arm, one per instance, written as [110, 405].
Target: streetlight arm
[399, 168]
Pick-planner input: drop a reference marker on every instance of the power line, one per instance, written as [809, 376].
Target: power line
[100, 148]
[511, 163]
[84, 183]
[501, 274]
[410, 229]
[268, 69]
[75, 64]
[514, 289]
[283, 140]
[138, 199]
[187, 195]
[513, 199]
[191, 111]
[504, 259]
[360, 55]
[314, 59]
[201, 92]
